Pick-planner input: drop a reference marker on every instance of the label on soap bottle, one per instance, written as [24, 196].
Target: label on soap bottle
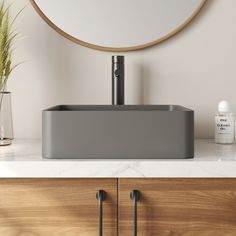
[224, 129]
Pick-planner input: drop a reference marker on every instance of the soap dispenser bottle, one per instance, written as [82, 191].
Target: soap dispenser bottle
[224, 124]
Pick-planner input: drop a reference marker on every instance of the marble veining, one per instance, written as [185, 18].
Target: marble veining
[23, 159]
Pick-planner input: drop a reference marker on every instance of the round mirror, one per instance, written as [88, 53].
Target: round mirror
[122, 25]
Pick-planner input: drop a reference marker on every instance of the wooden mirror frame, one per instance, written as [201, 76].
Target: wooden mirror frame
[123, 49]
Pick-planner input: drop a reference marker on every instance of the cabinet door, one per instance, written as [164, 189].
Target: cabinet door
[186, 207]
[56, 207]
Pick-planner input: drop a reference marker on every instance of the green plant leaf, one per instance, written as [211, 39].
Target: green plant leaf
[7, 38]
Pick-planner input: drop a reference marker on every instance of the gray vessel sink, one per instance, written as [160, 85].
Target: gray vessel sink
[118, 132]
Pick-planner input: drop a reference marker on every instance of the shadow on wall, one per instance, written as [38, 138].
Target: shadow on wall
[143, 84]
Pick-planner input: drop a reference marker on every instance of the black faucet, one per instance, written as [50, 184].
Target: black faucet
[118, 80]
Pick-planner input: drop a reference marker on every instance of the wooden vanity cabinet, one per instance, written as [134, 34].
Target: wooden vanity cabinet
[179, 207]
[167, 207]
[56, 207]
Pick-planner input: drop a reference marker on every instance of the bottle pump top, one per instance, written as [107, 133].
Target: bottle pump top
[224, 106]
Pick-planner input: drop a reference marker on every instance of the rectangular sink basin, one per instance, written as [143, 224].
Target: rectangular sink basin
[118, 132]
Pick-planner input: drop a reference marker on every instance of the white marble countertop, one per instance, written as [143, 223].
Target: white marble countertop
[23, 159]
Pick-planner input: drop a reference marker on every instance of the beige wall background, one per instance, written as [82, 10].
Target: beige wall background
[196, 68]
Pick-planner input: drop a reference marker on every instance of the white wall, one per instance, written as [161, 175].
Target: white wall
[196, 68]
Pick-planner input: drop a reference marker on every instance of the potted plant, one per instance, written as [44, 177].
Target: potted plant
[7, 36]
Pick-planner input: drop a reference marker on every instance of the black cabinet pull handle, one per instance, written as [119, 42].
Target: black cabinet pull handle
[135, 196]
[100, 196]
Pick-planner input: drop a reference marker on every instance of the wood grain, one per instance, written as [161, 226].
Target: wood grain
[186, 207]
[56, 207]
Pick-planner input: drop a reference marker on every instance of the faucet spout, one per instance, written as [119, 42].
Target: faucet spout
[118, 80]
